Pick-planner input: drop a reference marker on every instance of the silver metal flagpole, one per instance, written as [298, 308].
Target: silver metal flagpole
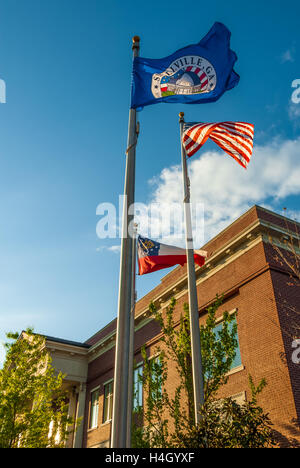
[193, 300]
[131, 345]
[120, 397]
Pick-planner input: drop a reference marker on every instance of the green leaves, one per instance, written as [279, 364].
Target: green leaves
[218, 348]
[167, 417]
[29, 386]
[227, 424]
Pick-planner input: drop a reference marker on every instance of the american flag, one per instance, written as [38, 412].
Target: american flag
[236, 138]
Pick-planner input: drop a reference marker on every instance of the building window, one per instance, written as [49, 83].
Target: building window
[157, 370]
[94, 409]
[237, 360]
[137, 388]
[52, 427]
[108, 401]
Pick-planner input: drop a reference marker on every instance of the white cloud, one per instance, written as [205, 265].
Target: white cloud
[292, 214]
[226, 189]
[114, 248]
[294, 113]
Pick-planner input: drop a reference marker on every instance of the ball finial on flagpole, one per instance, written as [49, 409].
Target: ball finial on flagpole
[136, 42]
[181, 116]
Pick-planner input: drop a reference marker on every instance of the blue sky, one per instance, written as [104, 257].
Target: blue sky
[67, 69]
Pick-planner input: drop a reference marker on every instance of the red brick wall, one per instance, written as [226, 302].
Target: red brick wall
[287, 296]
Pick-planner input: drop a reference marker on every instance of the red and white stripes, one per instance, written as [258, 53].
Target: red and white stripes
[236, 138]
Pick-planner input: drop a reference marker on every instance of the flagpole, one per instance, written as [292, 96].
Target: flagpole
[198, 384]
[120, 396]
[131, 344]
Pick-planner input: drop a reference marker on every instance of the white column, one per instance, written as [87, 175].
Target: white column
[72, 414]
[78, 438]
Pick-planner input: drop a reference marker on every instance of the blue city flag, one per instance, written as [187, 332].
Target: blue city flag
[196, 74]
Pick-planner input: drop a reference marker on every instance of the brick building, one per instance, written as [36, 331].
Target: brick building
[245, 266]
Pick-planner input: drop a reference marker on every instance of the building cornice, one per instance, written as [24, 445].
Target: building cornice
[67, 348]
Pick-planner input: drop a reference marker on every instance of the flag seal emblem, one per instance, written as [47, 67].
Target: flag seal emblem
[186, 75]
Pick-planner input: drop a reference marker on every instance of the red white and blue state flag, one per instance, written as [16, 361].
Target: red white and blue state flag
[236, 138]
[153, 256]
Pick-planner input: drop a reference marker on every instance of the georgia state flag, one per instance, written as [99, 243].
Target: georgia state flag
[153, 256]
[196, 74]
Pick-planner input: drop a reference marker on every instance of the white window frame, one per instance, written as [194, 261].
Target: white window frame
[140, 403]
[108, 411]
[94, 417]
[240, 367]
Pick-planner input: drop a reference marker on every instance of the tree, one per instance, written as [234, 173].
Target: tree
[33, 407]
[168, 420]
[227, 424]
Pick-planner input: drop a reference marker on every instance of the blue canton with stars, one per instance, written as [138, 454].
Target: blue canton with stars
[147, 247]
